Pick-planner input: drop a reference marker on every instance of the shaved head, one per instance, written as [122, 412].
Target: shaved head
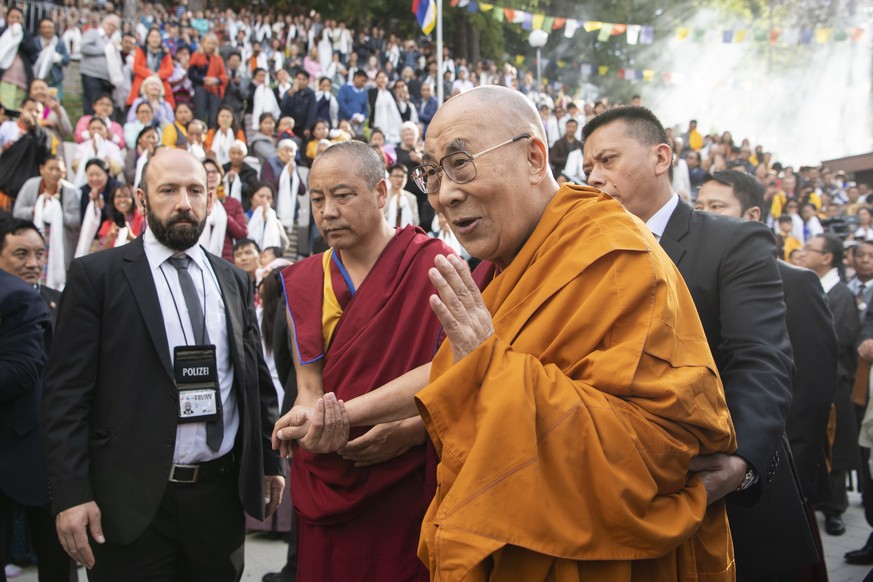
[509, 106]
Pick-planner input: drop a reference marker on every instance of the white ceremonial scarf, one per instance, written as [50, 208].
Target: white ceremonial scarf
[46, 59]
[121, 239]
[90, 226]
[404, 210]
[234, 190]
[221, 143]
[140, 164]
[212, 237]
[283, 88]
[49, 212]
[387, 117]
[265, 232]
[286, 198]
[113, 64]
[265, 102]
[197, 151]
[9, 42]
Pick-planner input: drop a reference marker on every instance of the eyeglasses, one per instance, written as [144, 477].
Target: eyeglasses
[815, 251]
[457, 166]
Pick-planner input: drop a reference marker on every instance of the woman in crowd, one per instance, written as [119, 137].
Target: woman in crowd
[144, 118]
[18, 53]
[226, 223]
[97, 188]
[320, 131]
[152, 92]
[98, 146]
[146, 143]
[865, 224]
[326, 105]
[264, 226]
[263, 143]
[238, 175]
[183, 90]
[377, 140]
[281, 174]
[209, 77]
[124, 223]
[219, 139]
[383, 109]
[152, 59]
[175, 135]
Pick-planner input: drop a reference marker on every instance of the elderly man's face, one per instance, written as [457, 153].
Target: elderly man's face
[178, 200]
[494, 214]
[347, 212]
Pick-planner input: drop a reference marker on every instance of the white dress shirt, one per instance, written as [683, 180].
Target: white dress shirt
[191, 446]
[658, 222]
[830, 280]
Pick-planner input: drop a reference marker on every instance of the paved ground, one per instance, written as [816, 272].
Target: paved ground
[265, 555]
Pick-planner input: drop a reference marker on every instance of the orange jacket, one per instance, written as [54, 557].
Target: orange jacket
[141, 71]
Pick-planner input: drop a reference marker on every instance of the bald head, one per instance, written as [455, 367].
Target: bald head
[510, 107]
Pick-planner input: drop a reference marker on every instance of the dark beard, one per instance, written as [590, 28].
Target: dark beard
[178, 237]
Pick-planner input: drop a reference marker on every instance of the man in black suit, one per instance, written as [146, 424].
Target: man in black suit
[730, 269]
[23, 468]
[824, 254]
[813, 342]
[143, 330]
[299, 103]
[25, 335]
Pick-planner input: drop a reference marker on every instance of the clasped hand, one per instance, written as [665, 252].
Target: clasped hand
[323, 429]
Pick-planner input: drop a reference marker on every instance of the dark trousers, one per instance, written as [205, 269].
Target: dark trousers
[198, 534]
[92, 87]
[206, 105]
[53, 562]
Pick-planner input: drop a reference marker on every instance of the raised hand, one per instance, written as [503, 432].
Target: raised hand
[459, 305]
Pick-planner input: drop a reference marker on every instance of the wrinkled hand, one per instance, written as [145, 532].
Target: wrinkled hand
[328, 429]
[384, 442]
[721, 474]
[73, 526]
[865, 350]
[459, 306]
[273, 487]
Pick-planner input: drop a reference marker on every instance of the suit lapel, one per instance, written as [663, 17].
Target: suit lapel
[677, 228]
[233, 308]
[142, 285]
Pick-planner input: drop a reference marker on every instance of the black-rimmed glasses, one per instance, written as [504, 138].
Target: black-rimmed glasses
[457, 166]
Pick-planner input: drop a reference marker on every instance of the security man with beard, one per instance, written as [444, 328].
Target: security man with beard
[141, 489]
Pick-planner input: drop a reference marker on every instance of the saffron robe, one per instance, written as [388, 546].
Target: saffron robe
[362, 523]
[565, 438]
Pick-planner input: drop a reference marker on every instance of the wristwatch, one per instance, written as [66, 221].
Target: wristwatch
[749, 479]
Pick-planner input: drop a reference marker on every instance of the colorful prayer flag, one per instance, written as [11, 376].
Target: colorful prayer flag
[425, 12]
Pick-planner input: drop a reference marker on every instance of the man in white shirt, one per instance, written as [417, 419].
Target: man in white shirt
[143, 331]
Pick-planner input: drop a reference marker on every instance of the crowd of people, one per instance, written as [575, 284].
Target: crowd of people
[257, 96]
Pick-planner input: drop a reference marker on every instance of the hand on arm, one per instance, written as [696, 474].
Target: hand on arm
[721, 474]
[384, 442]
[73, 526]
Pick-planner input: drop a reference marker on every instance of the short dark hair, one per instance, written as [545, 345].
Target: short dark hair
[244, 242]
[258, 70]
[14, 226]
[785, 218]
[400, 167]
[360, 73]
[834, 247]
[277, 251]
[641, 123]
[102, 96]
[746, 189]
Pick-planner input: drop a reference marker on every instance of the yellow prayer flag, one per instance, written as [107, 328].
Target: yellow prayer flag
[740, 35]
[602, 69]
[537, 21]
[591, 25]
[485, 7]
[682, 33]
[519, 60]
[823, 35]
[648, 74]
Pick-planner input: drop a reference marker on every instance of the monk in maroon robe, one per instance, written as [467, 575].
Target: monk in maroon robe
[359, 318]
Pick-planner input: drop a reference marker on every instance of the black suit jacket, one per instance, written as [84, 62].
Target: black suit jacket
[25, 335]
[111, 404]
[52, 298]
[846, 454]
[814, 343]
[730, 269]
